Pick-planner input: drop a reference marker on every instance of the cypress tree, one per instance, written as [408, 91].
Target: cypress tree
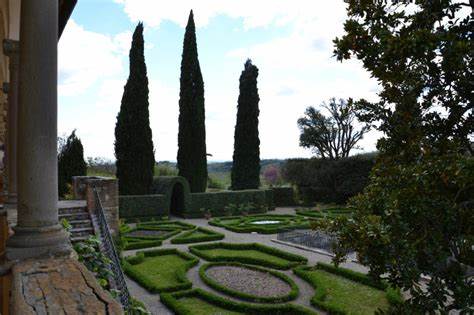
[70, 163]
[134, 152]
[192, 159]
[246, 160]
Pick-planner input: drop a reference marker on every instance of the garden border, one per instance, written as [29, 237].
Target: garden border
[393, 296]
[294, 260]
[185, 239]
[171, 300]
[293, 294]
[149, 285]
[260, 229]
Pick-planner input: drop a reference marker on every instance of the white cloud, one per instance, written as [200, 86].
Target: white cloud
[85, 58]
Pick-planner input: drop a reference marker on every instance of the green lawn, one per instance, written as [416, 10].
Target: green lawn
[344, 294]
[198, 306]
[160, 270]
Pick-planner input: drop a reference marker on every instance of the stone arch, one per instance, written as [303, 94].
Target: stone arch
[176, 191]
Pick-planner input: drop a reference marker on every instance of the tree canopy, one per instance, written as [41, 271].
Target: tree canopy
[332, 136]
[192, 155]
[246, 159]
[133, 137]
[70, 162]
[415, 217]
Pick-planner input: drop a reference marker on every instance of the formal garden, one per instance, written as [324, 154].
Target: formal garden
[340, 233]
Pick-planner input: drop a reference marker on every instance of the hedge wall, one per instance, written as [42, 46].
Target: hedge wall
[217, 201]
[330, 181]
[143, 206]
[164, 185]
[283, 196]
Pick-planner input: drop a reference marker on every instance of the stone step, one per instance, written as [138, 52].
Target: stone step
[74, 210]
[74, 216]
[81, 223]
[76, 239]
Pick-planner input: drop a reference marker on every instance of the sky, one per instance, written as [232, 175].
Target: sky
[289, 41]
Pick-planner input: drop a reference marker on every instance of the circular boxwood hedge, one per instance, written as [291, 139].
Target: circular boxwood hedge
[215, 284]
[261, 223]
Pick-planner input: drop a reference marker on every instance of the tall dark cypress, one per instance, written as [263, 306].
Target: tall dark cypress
[70, 163]
[133, 138]
[192, 159]
[246, 160]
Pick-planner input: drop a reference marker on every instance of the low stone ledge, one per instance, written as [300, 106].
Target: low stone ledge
[58, 286]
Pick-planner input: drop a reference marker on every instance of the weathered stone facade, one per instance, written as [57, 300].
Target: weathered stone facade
[58, 286]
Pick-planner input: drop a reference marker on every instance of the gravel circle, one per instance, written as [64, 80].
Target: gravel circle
[144, 233]
[249, 281]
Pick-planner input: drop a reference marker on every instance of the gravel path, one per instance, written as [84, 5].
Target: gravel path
[254, 282]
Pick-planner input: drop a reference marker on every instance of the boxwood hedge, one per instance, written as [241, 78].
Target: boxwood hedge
[129, 262]
[191, 237]
[319, 299]
[243, 224]
[172, 300]
[291, 260]
[245, 296]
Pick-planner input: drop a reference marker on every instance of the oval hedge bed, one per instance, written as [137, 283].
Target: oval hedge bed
[197, 235]
[161, 270]
[200, 302]
[290, 289]
[343, 291]
[248, 224]
[248, 253]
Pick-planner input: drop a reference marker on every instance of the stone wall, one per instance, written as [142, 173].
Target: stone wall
[107, 188]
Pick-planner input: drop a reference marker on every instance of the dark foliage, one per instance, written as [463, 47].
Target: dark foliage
[246, 160]
[336, 181]
[415, 217]
[133, 138]
[334, 136]
[70, 162]
[192, 158]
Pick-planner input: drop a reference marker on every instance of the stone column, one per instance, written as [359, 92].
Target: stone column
[11, 49]
[38, 232]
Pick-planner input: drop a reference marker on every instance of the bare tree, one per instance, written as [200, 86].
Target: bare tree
[334, 136]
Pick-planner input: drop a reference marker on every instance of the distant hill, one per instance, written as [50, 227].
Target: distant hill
[224, 167]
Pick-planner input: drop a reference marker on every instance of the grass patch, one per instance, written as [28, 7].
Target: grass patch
[253, 223]
[200, 302]
[145, 237]
[198, 235]
[329, 213]
[161, 270]
[343, 291]
[167, 224]
[251, 253]
[245, 296]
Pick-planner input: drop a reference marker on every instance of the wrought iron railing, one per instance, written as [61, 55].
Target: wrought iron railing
[308, 238]
[109, 249]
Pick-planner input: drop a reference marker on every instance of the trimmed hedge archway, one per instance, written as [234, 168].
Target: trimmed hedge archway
[176, 191]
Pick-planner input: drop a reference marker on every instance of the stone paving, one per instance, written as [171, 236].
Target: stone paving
[154, 305]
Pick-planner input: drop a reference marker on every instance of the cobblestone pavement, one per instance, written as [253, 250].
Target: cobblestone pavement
[152, 301]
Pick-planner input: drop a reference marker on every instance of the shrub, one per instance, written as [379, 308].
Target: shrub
[330, 181]
[143, 206]
[245, 224]
[188, 237]
[283, 196]
[70, 163]
[172, 300]
[217, 201]
[292, 260]
[147, 282]
[245, 296]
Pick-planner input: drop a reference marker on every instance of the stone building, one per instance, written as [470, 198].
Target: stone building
[35, 253]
